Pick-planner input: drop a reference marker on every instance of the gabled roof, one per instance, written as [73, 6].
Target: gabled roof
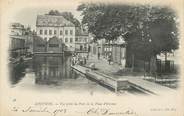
[16, 26]
[79, 32]
[39, 40]
[52, 20]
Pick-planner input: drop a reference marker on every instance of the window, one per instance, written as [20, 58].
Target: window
[76, 39]
[81, 47]
[55, 32]
[40, 45]
[61, 32]
[50, 32]
[79, 39]
[45, 32]
[71, 40]
[71, 32]
[66, 32]
[66, 40]
[41, 32]
[53, 45]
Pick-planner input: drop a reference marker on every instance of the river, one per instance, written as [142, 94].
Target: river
[53, 73]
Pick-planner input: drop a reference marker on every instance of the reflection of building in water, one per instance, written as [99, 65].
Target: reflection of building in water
[51, 69]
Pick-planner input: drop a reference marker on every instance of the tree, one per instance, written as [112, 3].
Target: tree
[163, 30]
[99, 20]
[149, 30]
[67, 15]
[54, 12]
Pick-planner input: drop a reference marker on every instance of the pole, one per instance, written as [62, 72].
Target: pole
[133, 61]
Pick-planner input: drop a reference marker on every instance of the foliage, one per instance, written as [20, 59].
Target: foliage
[148, 30]
[68, 15]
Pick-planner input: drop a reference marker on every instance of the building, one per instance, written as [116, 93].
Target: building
[116, 48]
[53, 45]
[49, 26]
[39, 45]
[119, 51]
[17, 46]
[81, 41]
[97, 46]
[29, 35]
[17, 29]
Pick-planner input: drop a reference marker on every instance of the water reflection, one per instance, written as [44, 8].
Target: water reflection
[54, 72]
[47, 69]
[17, 72]
[51, 70]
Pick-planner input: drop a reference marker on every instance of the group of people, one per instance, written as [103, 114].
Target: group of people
[109, 57]
[78, 59]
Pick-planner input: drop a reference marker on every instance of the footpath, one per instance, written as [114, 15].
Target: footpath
[103, 65]
[138, 82]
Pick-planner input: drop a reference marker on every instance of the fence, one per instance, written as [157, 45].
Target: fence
[162, 67]
[165, 67]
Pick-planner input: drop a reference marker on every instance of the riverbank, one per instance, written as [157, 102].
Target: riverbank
[102, 65]
[138, 78]
[116, 70]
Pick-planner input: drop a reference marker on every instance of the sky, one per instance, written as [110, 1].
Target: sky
[27, 16]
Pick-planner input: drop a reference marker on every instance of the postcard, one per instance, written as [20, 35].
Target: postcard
[91, 58]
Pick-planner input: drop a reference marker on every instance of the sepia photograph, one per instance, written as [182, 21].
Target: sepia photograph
[81, 58]
[123, 49]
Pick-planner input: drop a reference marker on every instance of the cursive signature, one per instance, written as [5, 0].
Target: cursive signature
[106, 111]
[31, 109]
[62, 111]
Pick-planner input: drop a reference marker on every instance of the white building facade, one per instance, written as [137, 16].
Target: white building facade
[81, 40]
[48, 26]
[17, 29]
[17, 40]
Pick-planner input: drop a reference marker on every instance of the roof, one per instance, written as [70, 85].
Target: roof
[52, 20]
[79, 32]
[38, 40]
[16, 25]
[53, 40]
